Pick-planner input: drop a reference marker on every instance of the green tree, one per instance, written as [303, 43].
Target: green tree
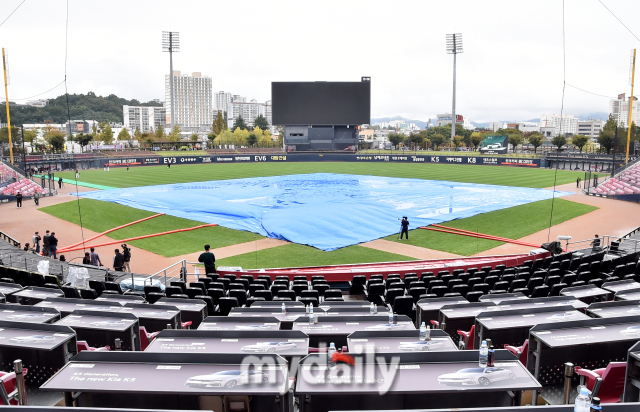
[148, 140]
[94, 130]
[536, 139]
[30, 136]
[261, 122]
[175, 135]
[476, 138]
[83, 140]
[211, 137]
[224, 138]
[607, 134]
[107, 134]
[515, 139]
[218, 124]
[240, 136]
[137, 135]
[239, 123]
[395, 138]
[124, 135]
[458, 141]
[437, 139]
[579, 141]
[559, 141]
[416, 139]
[252, 139]
[57, 140]
[160, 132]
[194, 137]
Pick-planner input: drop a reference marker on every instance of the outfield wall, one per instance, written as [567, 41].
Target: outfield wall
[325, 157]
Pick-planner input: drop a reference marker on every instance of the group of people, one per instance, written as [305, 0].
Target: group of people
[49, 245]
[121, 260]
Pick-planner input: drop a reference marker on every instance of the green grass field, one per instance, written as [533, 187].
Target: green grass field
[513, 223]
[101, 216]
[156, 175]
[300, 255]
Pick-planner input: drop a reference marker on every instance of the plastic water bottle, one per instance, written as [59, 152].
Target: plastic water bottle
[306, 309]
[423, 331]
[390, 318]
[595, 405]
[583, 403]
[311, 315]
[331, 351]
[427, 335]
[372, 308]
[484, 354]
[284, 308]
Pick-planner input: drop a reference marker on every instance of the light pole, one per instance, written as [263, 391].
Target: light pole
[454, 46]
[171, 43]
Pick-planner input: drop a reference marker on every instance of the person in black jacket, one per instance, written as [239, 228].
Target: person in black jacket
[405, 227]
[86, 260]
[208, 259]
[45, 244]
[19, 200]
[126, 254]
[118, 261]
[53, 245]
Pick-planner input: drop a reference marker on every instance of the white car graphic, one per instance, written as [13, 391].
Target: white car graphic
[559, 317]
[107, 323]
[27, 316]
[631, 331]
[634, 310]
[494, 146]
[423, 345]
[269, 347]
[388, 326]
[227, 379]
[476, 376]
[253, 327]
[32, 339]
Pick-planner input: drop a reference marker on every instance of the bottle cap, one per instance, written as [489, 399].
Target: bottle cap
[484, 342]
[595, 401]
[423, 324]
[584, 391]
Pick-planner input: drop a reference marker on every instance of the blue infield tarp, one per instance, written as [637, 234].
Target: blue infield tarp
[324, 210]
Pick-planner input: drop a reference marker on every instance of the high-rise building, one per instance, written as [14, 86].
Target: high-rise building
[562, 124]
[193, 97]
[249, 110]
[221, 101]
[619, 108]
[144, 118]
[267, 113]
[590, 127]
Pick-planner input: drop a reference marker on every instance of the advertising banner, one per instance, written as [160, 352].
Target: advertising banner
[495, 145]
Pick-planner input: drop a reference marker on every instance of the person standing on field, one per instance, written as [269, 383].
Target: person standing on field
[35, 241]
[208, 259]
[19, 200]
[45, 244]
[126, 254]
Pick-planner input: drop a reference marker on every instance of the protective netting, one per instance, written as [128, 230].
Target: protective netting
[324, 210]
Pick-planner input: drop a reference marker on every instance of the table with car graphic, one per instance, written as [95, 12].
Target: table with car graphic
[103, 328]
[544, 302]
[191, 310]
[587, 293]
[620, 285]
[462, 316]
[450, 379]
[67, 305]
[628, 294]
[171, 381]
[286, 343]
[590, 343]
[43, 348]
[511, 326]
[428, 309]
[614, 309]
[31, 314]
[336, 328]
[398, 341]
[33, 294]
[257, 323]
[154, 318]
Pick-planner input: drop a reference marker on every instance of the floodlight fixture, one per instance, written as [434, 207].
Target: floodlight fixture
[171, 44]
[454, 46]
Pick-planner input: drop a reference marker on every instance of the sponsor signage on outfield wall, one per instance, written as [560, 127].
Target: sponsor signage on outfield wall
[325, 157]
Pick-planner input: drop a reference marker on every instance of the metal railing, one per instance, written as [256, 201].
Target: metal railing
[171, 272]
[607, 243]
[9, 239]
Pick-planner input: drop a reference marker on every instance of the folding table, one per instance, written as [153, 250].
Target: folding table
[614, 309]
[191, 310]
[258, 323]
[411, 380]
[461, 317]
[121, 299]
[500, 297]
[428, 309]
[398, 341]
[30, 314]
[67, 305]
[103, 328]
[587, 293]
[628, 294]
[620, 285]
[33, 294]
[154, 318]
[172, 381]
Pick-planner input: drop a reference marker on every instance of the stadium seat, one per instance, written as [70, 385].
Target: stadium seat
[150, 289]
[179, 284]
[192, 292]
[491, 280]
[199, 285]
[213, 276]
[356, 285]
[403, 305]
[209, 301]
[254, 287]
[240, 295]
[88, 294]
[253, 299]
[396, 285]
[248, 278]
[309, 301]
[226, 304]
[597, 282]
[231, 277]
[71, 292]
[333, 293]
[172, 290]
[517, 284]
[461, 289]
[467, 338]
[416, 292]
[555, 289]
[153, 297]
[481, 287]
[534, 282]
[82, 345]
[275, 288]
[113, 286]
[454, 282]
[244, 283]
[452, 294]
[439, 290]
[263, 294]
[287, 294]
[473, 281]
[540, 291]
[281, 299]
[237, 285]
[310, 294]
[391, 295]
[613, 381]
[522, 352]
[146, 338]
[474, 296]
[321, 288]
[299, 288]
[215, 294]
[266, 278]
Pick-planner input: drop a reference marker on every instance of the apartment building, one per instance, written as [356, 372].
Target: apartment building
[590, 127]
[619, 108]
[562, 124]
[144, 118]
[192, 96]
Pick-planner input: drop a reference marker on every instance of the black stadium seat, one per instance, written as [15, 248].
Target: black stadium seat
[226, 304]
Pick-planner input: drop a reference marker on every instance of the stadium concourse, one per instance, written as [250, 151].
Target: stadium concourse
[612, 217]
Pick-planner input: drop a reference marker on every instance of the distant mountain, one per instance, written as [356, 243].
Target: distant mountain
[595, 115]
[421, 124]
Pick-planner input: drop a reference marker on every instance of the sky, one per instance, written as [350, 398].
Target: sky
[511, 68]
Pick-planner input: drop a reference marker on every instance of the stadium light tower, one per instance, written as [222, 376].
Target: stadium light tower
[171, 43]
[454, 46]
